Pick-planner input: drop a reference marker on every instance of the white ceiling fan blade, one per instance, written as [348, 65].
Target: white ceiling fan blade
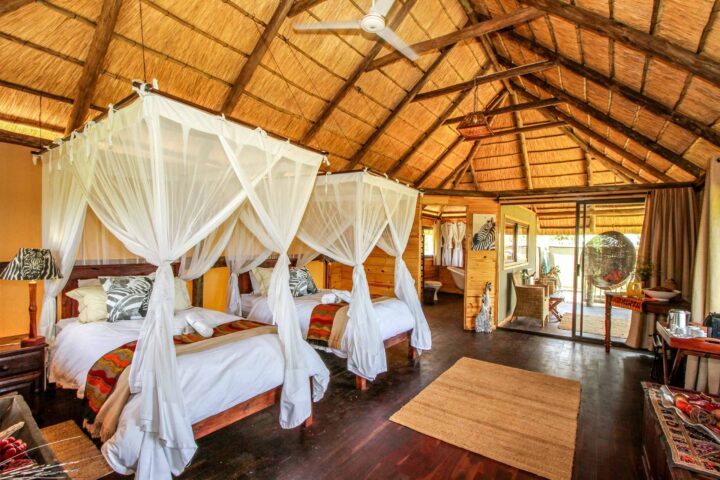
[382, 7]
[348, 25]
[397, 43]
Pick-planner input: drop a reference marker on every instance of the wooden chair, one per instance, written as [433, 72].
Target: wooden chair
[531, 300]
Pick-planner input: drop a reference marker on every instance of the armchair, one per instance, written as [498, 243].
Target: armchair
[531, 300]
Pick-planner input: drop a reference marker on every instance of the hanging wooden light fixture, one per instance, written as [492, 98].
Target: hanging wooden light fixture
[475, 125]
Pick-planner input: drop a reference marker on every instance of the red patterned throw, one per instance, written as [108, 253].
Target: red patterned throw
[105, 373]
[321, 323]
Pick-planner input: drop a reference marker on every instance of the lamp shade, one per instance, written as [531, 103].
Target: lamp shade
[31, 264]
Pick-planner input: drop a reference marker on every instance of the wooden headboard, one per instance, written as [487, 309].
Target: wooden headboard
[84, 272]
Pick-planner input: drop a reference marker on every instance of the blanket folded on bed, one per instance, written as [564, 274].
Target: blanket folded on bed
[103, 377]
[328, 322]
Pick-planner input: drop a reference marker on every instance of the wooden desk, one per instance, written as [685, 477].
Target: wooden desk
[640, 305]
[702, 347]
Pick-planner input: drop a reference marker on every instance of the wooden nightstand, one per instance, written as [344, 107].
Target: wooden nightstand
[22, 370]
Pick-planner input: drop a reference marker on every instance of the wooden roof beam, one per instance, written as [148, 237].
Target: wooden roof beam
[641, 139]
[252, 62]
[94, 62]
[300, 6]
[436, 164]
[481, 80]
[524, 129]
[22, 139]
[482, 28]
[652, 106]
[652, 45]
[497, 100]
[522, 143]
[620, 169]
[639, 163]
[44, 94]
[7, 6]
[355, 75]
[357, 157]
[398, 164]
[549, 102]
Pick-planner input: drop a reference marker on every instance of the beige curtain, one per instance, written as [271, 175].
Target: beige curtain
[704, 374]
[668, 241]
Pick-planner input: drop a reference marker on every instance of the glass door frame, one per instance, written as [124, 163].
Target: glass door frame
[581, 207]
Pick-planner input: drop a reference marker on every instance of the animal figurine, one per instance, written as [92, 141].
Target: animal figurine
[483, 321]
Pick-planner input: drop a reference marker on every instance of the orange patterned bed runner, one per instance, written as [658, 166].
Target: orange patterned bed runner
[105, 373]
[321, 323]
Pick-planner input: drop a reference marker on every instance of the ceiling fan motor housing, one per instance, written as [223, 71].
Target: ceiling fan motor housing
[372, 22]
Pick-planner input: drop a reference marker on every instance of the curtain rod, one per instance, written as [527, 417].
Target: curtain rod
[149, 88]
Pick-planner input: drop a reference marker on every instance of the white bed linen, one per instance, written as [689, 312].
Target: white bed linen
[212, 381]
[79, 345]
[393, 314]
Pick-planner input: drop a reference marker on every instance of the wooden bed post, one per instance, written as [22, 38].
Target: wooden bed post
[361, 383]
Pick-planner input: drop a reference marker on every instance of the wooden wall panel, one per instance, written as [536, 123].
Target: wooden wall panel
[480, 266]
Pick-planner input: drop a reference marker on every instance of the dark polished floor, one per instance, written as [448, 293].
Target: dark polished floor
[353, 439]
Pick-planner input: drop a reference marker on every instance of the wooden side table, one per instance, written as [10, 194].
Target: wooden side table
[22, 369]
[640, 305]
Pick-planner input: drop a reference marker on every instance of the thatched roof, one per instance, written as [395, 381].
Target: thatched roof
[636, 81]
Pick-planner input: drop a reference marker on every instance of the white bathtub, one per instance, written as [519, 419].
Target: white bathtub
[458, 276]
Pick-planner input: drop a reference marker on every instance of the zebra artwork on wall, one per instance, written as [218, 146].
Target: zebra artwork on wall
[484, 227]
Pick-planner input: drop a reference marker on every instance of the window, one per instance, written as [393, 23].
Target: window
[515, 240]
[428, 242]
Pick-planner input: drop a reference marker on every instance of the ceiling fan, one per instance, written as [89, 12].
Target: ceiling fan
[372, 22]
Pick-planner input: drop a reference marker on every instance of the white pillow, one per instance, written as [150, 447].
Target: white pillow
[92, 303]
[262, 276]
[255, 283]
[182, 296]
[88, 282]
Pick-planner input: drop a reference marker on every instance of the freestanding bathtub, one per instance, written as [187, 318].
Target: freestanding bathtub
[458, 276]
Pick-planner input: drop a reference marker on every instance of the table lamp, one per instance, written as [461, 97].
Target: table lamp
[32, 264]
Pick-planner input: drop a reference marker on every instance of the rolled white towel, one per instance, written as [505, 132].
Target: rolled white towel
[342, 295]
[328, 298]
[199, 326]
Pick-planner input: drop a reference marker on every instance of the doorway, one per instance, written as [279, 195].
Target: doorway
[582, 250]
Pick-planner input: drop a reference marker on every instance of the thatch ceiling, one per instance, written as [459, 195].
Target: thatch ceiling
[638, 81]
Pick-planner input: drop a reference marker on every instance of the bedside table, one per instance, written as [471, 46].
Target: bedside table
[22, 369]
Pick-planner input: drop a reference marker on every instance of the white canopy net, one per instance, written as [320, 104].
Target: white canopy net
[346, 217]
[162, 176]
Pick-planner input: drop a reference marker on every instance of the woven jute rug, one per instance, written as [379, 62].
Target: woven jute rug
[523, 419]
[90, 463]
[619, 327]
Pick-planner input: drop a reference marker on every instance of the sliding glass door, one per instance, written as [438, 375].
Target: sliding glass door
[607, 236]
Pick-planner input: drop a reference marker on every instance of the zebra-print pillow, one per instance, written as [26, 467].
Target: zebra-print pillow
[128, 297]
[301, 283]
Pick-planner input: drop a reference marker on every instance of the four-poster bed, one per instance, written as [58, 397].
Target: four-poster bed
[162, 177]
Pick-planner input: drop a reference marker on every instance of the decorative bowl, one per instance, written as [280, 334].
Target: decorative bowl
[660, 295]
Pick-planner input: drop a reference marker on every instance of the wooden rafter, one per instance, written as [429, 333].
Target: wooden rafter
[465, 167]
[522, 143]
[481, 80]
[641, 139]
[620, 169]
[655, 46]
[357, 157]
[22, 139]
[438, 161]
[652, 106]
[44, 94]
[471, 31]
[455, 174]
[397, 165]
[588, 170]
[471, 163]
[355, 75]
[251, 64]
[639, 163]
[524, 129]
[301, 5]
[94, 62]
[549, 102]
[7, 6]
